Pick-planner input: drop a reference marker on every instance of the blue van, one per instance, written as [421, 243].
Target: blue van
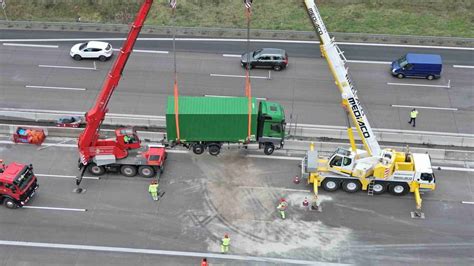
[427, 66]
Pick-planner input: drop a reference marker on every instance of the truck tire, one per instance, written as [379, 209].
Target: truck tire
[10, 204]
[269, 148]
[146, 171]
[351, 186]
[398, 189]
[379, 188]
[430, 77]
[330, 184]
[400, 76]
[128, 170]
[198, 148]
[95, 169]
[214, 149]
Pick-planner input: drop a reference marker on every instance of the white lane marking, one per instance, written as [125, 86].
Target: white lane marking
[448, 168]
[54, 208]
[420, 85]
[176, 151]
[275, 157]
[55, 88]
[67, 176]
[237, 76]
[242, 40]
[68, 67]
[462, 66]
[55, 144]
[31, 45]
[163, 252]
[223, 96]
[467, 202]
[59, 112]
[145, 51]
[425, 107]
[369, 62]
[275, 188]
[231, 55]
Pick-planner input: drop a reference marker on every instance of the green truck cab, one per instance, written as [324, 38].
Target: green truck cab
[209, 122]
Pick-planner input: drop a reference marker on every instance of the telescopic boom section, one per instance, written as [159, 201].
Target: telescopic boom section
[96, 115]
[336, 62]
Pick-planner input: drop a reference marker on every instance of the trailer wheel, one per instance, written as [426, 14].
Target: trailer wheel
[214, 149]
[198, 148]
[400, 76]
[95, 169]
[379, 188]
[398, 189]
[10, 204]
[128, 170]
[330, 184]
[430, 77]
[351, 186]
[269, 148]
[146, 171]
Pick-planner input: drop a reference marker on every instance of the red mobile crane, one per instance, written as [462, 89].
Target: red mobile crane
[123, 153]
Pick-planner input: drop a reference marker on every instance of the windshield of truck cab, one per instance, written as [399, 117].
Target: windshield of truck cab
[402, 62]
[24, 178]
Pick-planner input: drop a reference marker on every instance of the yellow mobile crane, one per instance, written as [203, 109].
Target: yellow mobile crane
[373, 169]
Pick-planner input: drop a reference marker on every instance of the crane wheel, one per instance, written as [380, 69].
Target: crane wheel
[351, 186]
[146, 171]
[398, 189]
[330, 184]
[379, 188]
[95, 169]
[128, 170]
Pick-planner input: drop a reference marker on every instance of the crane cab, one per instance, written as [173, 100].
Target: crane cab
[128, 138]
[344, 160]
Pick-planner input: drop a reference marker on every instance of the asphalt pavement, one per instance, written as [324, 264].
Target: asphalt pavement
[206, 197]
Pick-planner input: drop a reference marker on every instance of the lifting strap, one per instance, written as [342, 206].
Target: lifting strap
[248, 87]
[175, 85]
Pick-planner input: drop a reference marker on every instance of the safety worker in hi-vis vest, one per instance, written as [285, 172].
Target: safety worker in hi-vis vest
[282, 207]
[225, 243]
[153, 189]
[413, 115]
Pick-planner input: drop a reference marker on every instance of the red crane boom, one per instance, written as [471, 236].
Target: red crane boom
[106, 154]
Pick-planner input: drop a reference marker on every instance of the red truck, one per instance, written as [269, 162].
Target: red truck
[18, 184]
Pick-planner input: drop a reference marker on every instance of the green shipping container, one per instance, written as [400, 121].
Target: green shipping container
[210, 119]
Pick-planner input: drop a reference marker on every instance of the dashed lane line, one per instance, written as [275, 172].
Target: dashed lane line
[67, 67]
[467, 202]
[55, 88]
[163, 252]
[31, 45]
[425, 107]
[448, 168]
[237, 76]
[54, 208]
[67, 176]
[420, 85]
[462, 66]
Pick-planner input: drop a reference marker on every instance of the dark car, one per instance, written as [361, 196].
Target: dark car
[267, 58]
[69, 121]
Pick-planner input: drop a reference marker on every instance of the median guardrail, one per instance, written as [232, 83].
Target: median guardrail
[295, 130]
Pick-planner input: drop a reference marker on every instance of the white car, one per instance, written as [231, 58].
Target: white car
[92, 49]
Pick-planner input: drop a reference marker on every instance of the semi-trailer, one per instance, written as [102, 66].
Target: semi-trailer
[210, 122]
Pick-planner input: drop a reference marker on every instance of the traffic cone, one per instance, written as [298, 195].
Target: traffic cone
[305, 202]
[296, 180]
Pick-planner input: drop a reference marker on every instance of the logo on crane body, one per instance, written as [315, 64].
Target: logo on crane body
[359, 113]
[313, 17]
